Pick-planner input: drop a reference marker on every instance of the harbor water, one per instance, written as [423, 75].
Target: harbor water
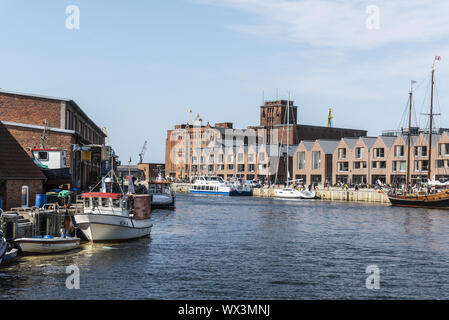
[217, 247]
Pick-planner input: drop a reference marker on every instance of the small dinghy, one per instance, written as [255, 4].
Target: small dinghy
[46, 244]
[307, 194]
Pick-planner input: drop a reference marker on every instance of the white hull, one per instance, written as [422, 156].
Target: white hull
[102, 227]
[306, 194]
[162, 200]
[289, 193]
[31, 245]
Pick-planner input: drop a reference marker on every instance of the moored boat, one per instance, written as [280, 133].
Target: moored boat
[217, 186]
[430, 196]
[46, 244]
[115, 216]
[162, 193]
[290, 193]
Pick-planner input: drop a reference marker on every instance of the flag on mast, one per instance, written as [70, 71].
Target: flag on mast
[437, 58]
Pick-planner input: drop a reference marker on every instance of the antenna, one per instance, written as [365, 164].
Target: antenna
[44, 134]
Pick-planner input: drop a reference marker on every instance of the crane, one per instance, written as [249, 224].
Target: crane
[329, 118]
[142, 153]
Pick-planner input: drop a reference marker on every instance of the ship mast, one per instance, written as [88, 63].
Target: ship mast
[409, 136]
[429, 163]
[288, 135]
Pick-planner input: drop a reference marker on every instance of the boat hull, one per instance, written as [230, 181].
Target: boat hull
[429, 201]
[102, 227]
[162, 201]
[9, 257]
[293, 194]
[31, 245]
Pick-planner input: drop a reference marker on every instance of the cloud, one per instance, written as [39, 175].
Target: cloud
[342, 23]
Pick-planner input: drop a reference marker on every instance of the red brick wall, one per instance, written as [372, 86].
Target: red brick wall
[12, 199]
[30, 110]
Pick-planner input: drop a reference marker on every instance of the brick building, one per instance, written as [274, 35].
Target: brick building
[366, 160]
[187, 143]
[20, 178]
[38, 121]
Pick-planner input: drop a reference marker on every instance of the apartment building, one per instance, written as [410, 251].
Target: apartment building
[366, 160]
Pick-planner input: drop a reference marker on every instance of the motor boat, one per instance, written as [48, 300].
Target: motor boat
[114, 216]
[217, 186]
[46, 244]
[162, 193]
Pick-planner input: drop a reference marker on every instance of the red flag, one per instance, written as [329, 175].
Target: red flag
[437, 58]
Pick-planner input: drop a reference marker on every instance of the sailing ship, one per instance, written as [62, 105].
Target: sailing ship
[431, 197]
[288, 192]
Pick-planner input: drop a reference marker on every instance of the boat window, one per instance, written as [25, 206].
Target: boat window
[94, 202]
[86, 202]
[105, 202]
[116, 203]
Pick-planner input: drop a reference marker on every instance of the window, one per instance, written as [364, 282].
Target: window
[316, 159]
[343, 166]
[379, 164]
[439, 164]
[358, 153]
[240, 157]
[379, 152]
[241, 168]
[262, 156]
[251, 168]
[359, 165]
[398, 151]
[250, 158]
[211, 168]
[424, 166]
[421, 151]
[342, 153]
[443, 149]
[220, 167]
[42, 155]
[300, 160]
[221, 158]
[230, 167]
[194, 159]
[202, 159]
[230, 158]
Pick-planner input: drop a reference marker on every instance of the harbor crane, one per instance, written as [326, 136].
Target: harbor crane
[142, 153]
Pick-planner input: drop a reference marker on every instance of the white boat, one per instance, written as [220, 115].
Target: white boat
[47, 244]
[162, 192]
[287, 193]
[307, 194]
[115, 216]
[216, 185]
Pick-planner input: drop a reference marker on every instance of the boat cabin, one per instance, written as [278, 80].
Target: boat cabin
[52, 158]
[159, 187]
[117, 204]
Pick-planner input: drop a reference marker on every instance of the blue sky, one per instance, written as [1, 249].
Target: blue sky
[137, 67]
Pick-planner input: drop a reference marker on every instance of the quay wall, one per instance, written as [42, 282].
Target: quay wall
[368, 195]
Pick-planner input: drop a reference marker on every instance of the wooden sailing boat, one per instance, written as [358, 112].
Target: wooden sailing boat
[431, 198]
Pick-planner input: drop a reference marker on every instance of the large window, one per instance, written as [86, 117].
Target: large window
[300, 160]
[398, 151]
[359, 164]
[421, 151]
[342, 153]
[443, 149]
[379, 152]
[316, 155]
[358, 153]
[343, 166]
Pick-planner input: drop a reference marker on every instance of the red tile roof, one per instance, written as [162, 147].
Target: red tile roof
[15, 163]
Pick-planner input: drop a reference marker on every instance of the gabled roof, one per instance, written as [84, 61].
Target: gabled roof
[350, 142]
[308, 144]
[328, 146]
[369, 141]
[388, 141]
[15, 163]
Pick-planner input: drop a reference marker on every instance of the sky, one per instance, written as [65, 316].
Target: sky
[137, 67]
